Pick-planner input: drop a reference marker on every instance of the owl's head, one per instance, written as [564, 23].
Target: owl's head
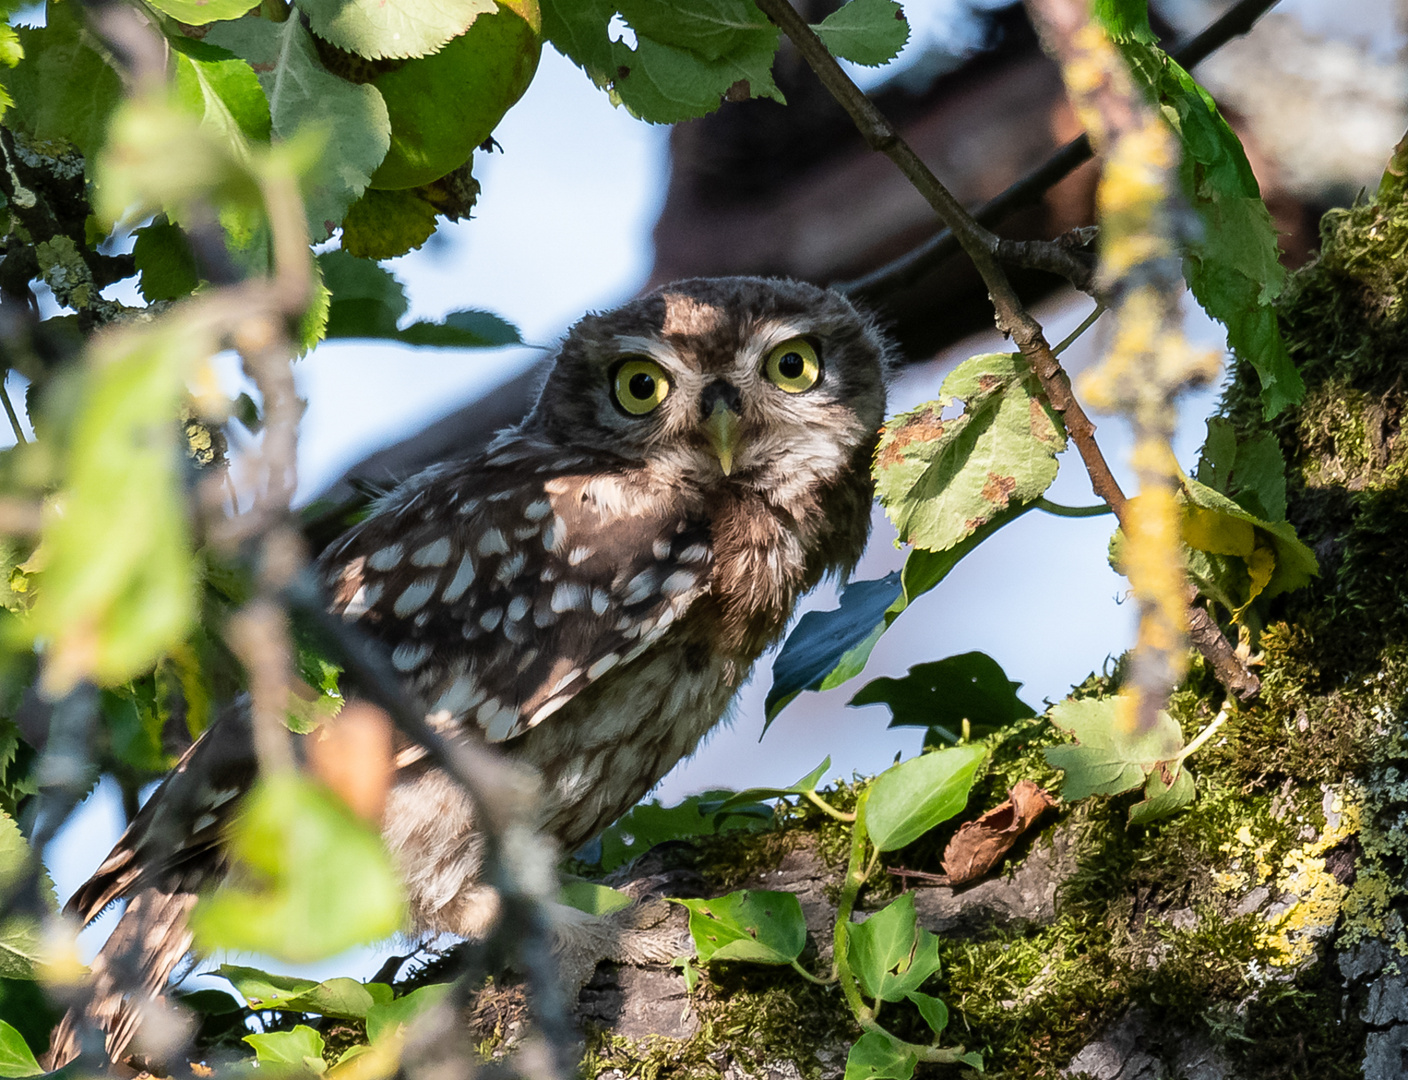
[759, 383]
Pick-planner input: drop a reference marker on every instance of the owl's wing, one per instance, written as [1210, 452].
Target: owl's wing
[500, 607]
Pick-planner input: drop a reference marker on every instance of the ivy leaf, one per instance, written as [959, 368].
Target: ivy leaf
[909, 799]
[828, 648]
[868, 32]
[1125, 20]
[1234, 269]
[292, 838]
[592, 898]
[1161, 798]
[380, 30]
[1108, 757]
[934, 1011]
[941, 695]
[942, 480]
[752, 924]
[878, 1055]
[388, 1018]
[289, 1053]
[16, 1058]
[303, 95]
[64, 88]
[368, 302]
[890, 954]
[758, 794]
[649, 823]
[165, 260]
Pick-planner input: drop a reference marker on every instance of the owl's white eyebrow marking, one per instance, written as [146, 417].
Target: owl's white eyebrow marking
[464, 577]
[413, 596]
[567, 597]
[602, 666]
[386, 558]
[436, 553]
[409, 655]
[654, 348]
[517, 608]
[511, 567]
[492, 542]
[490, 618]
[537, 510]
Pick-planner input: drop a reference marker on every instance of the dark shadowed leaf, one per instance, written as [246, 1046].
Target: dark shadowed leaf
[941, 695]
[649, 823]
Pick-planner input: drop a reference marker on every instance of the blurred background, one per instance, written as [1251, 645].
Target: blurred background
[583, 206]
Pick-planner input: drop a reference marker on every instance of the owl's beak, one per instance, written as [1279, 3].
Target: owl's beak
[721, 428]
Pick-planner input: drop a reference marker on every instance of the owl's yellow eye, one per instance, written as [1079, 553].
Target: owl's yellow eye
[640, 386]
[793, 366]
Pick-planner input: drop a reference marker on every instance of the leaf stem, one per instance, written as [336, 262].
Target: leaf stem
[1061, 510]
[1075, 334]
[1203, 736]
[10, 410]
[814, 978]
[841, 940]
[826, 808]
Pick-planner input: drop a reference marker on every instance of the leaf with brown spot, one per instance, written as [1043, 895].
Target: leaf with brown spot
[941, 480]
[980, 845]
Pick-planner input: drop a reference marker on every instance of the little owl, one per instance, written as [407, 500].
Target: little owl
[589, 592]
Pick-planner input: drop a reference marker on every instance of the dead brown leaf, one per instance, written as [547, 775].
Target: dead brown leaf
[979, 845]
[352, 754]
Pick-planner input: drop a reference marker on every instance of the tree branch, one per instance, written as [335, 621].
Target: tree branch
[1012, 318]
[914, 265]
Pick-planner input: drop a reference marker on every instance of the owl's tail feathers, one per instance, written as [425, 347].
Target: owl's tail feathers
[167, 855]
[124, 990]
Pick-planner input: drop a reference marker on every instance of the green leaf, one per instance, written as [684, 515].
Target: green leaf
[1234, 268]
[878, 1055]
[165, 260]
[648, 824]
[403, 28]
[1125, 20]
[909, 799]
[869, 32]
[223, 90]
[592, 898]
[385, 224]
[1107, 759]
[756, 795]
[824, 643]
[64, 88]
[688, 54]
[262, 989]
[367, 302]
[21, 934]
[305, 97]
[289, 1053]
[1162, 799]
[934, 1011]
[119, 581]
[890, 954]
[1215, 523]
[293, 838]
[16, 1058]
[942, 480]
[754, 925]
[941, 695]
[201, 12]
[1248, 469]
[389, 1017]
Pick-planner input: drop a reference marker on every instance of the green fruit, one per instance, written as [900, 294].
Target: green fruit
[443, 106]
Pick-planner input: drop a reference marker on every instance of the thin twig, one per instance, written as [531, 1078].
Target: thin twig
[1074, 336]
[10, 411]
[1012, 318]
[914, 265]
